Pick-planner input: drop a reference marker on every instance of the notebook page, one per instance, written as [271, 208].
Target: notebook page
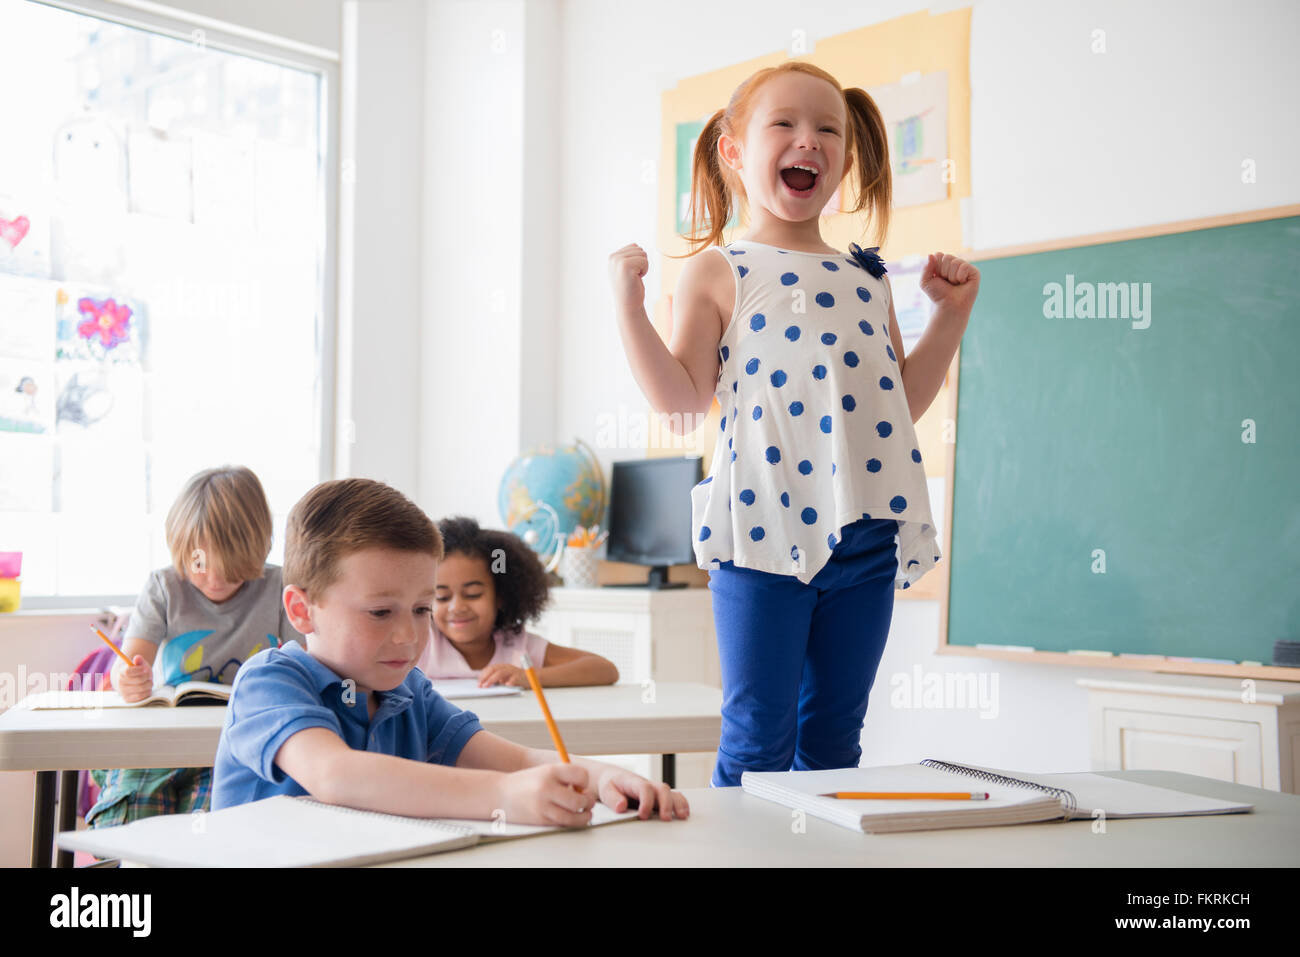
[492, 830]
[1120, 798]
[468, 688]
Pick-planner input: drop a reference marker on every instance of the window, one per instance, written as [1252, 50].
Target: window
[163, 287]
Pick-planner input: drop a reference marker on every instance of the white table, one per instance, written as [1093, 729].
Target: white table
[729, 828]
[609, 719]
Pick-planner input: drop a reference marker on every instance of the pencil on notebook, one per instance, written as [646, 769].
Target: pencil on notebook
[104, 638]
[546, 712]
[910, 795]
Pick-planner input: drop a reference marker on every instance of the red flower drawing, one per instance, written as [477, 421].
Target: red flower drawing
[107, 319]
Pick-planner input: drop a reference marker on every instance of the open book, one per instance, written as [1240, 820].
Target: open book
[295, 832]
[1013, 798]
[186, 693]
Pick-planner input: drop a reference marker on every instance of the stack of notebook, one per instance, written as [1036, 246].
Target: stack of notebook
[1012, 799]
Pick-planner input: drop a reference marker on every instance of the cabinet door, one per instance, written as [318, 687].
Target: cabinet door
[1211, 747]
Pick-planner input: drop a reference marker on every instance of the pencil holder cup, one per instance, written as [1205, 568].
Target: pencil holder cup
[578, 566]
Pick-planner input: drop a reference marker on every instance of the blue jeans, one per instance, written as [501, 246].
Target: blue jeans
[798, 661]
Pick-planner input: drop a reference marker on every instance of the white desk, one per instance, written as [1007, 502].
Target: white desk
[729, 828]
[612, 719]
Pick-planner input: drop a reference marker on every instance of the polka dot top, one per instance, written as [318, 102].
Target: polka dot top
[815, 429]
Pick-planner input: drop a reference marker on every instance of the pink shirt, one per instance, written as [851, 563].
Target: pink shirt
[442, 659]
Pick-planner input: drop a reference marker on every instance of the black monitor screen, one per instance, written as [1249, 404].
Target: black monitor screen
[650, 510]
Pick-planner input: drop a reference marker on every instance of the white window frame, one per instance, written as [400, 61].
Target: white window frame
[232, 38]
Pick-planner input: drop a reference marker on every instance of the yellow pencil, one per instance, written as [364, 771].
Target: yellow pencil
[910, 795]
[103, 637]
[546, 712]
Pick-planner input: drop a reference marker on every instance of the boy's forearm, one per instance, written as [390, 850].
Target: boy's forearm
[381, 782]
[925, 367]
[662, 379]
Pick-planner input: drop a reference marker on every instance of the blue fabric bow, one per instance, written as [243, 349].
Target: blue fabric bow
[868, 260]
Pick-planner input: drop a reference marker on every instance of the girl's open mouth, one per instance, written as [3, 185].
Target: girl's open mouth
[799, 180]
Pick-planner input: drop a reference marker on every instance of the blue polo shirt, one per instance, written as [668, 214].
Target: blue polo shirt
[281, 691]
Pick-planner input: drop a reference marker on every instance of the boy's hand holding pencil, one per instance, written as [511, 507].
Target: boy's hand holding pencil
[132, 679]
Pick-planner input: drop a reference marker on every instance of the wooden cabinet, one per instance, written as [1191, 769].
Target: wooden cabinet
[1243, 731]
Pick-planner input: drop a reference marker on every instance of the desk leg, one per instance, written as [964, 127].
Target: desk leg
[670, 770]
[43, 819]
[68, 781]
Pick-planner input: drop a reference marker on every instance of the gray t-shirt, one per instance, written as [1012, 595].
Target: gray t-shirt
[201, 640]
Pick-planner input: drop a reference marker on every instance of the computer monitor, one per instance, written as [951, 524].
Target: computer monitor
[650, 515]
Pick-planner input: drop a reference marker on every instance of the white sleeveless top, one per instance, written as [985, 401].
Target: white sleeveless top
[815, 429]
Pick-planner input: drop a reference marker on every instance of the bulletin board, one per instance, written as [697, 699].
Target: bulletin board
[906, 50]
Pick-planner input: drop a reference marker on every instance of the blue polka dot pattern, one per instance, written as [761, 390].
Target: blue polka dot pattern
[743, 271]
[793, 459]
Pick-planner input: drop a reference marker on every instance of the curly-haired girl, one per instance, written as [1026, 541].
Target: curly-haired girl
[489, 585]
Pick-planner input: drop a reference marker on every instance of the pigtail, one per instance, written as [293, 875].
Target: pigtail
[710, 194]
[871, 160]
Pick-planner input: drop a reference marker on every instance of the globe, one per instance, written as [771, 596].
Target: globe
[550, 490]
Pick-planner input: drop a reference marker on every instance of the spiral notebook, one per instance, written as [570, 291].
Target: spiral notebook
[1013, 798]
[287, 831]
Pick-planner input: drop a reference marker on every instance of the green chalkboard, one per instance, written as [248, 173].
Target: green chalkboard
[1128, 489]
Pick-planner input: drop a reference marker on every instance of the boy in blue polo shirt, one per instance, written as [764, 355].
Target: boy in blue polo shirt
[351, 721]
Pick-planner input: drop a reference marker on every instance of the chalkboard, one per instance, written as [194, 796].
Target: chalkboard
[1126, 482]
